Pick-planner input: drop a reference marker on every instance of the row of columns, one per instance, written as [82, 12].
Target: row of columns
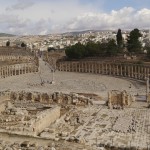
[14, 70]
[3, 58]
[124, 70]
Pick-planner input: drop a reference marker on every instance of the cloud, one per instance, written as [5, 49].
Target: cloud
[126, 18]
[10, 23]
[21, 5]
[54, 19]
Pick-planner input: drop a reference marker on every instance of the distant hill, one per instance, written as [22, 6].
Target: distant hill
[6, 35]
[82, 32]
[76, 32]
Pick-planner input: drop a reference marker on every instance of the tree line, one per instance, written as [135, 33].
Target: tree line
[92, 49]
[108, 48]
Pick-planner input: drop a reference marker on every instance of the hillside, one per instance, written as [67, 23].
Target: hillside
[6, 35]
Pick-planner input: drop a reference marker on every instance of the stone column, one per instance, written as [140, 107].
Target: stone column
[59, 67]
[132, 71]
[113, 69]
[139, 73]
[117, 71]
[95, 71]
[145, 72]
[9, 71]
[64, 67]
[5, 71]
[110, 69]
[142, 72]
[85, 67]
[0, 72]
[79, 67]
[99, 68]
[106, 69]
[123, 99]
[69, 66]
[82, 67]
[96, 67]
[102, 68]
[24, 69]
[92, 67]
[120, 70]
[125, 72]
[135, 71]
[109, 100]
[128, 71]
[88, 67]
[19, 69]
[147, 89]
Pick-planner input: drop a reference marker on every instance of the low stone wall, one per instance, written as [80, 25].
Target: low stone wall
[59, 98]
[13, 70]
[114, 69]
[45, 118]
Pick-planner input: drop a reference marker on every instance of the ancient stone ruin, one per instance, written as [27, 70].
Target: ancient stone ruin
[119, 100]
[57, 97]
[16, 62]
[106, 68]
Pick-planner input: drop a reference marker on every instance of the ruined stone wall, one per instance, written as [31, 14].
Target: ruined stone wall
[16, 123]
[113, 69]
[45, 118]
[59, 98]
[119, 100]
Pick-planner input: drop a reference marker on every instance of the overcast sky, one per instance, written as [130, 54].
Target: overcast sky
[54, 16]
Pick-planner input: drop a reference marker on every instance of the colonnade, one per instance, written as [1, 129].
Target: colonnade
[14, 57]
[13, 70]
[114, 69]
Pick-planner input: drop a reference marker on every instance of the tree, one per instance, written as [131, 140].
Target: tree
[119, 39]
[23, 44]
[91, 49]
[133, 43]
[8, 43]
[148, 51]
[102, 48]
[76, 51]
[112, 48]
[50, 49]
